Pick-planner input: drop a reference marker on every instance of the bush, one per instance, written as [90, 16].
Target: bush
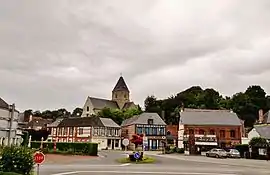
[243, 148]
[70, 147]
[8, 173]
[17, 159]
[180, 150]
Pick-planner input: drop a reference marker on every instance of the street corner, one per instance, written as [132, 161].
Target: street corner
[63, 159]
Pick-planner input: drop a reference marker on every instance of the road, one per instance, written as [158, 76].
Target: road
[166, 164]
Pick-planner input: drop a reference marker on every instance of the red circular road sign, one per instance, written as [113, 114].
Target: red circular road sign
[39, 157]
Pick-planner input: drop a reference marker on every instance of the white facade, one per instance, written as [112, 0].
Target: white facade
[15, 137]
[88, 108]
[181, 136]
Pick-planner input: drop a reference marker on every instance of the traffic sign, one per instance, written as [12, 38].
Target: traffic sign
[125, 142]
[39, 157]
[137, 155]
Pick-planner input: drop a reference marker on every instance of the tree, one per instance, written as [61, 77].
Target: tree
[137, 139]
[77, 112]
[259, 142]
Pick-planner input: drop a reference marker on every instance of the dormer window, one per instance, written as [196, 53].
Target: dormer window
[150, 121]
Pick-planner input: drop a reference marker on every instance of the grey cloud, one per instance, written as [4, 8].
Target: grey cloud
[55, 53]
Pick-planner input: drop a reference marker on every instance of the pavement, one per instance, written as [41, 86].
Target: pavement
[106, 164]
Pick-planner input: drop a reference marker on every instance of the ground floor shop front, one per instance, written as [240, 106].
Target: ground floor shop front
[154, 144]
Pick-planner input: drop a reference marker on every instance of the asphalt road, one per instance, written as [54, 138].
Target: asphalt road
[166, 164]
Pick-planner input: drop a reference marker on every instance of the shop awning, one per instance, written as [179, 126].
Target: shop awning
[206, 143]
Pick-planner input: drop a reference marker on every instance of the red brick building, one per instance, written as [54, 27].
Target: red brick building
[201, 130]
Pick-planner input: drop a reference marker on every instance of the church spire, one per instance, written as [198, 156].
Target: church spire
[121, 85]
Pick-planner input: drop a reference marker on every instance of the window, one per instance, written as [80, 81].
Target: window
[80, 131]
[154, 131]
[146, 131]
[65, 131]
[115, 96]
[150, 131]
[87, 108]
[161, 131]
[222, 133]
[87, 115]
[150, 121]
[212, 132]
[191, 131]
[201, 132]
[125, 96]
[139, 130]
[71, 130]
[232, 133]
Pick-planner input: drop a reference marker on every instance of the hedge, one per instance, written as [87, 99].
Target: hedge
[16, 160]
[72, 147]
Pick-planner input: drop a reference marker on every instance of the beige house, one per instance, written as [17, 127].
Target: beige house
[120, 100]
[103, 131]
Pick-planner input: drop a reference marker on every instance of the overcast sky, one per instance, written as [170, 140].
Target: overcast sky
[56, 53]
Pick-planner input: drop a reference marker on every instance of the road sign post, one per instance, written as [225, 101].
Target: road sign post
[39, 158]
[125, 142]
[137, 156]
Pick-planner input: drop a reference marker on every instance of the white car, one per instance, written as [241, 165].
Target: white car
[218, 153]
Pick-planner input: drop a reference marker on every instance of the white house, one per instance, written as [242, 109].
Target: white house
[5, 116]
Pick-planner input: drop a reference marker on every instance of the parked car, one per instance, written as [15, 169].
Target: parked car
[218, 153]
[233, 153]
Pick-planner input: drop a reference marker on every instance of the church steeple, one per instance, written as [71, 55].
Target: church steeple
[120, 93]
[120, 85]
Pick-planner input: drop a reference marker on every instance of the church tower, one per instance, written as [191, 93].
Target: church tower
[120, 93]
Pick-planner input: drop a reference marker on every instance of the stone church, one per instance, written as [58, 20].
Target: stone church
[120, 100]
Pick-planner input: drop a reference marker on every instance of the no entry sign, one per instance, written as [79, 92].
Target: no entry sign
[39, 157]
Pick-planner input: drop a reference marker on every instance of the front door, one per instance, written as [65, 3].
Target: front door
[154, 144]
[112, 144]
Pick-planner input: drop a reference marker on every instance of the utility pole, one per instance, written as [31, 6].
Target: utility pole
[12, 108]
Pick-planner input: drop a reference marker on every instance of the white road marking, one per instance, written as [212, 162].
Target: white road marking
[126, 164]
[141, 172]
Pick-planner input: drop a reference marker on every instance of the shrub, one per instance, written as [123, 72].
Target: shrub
[180, 150]
[17, 159]
[8, 173]
[70, 147]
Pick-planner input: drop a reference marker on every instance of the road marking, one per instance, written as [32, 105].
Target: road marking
[126, 164]
[142, 172]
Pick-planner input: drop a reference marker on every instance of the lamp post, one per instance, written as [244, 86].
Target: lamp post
[12, 110]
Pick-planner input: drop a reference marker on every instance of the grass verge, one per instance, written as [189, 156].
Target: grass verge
[144, 160]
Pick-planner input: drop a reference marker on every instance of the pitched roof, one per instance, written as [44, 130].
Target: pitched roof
[108, 122]
[3, 104]
[120, 85]
[209, 117]
[99, 103]
[81, 122]
[38, 123]
[143, 119]
[263, 130]
[55, 123]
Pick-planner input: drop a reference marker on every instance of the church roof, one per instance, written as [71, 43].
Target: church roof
[120, 85]
[99, 103]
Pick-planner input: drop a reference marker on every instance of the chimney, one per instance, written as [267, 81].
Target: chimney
[261, 117]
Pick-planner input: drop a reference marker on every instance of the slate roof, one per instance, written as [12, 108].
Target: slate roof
[143, 119]
[263, 130]
[121, 85]
[81, 122]
[99, 103]
[55, 123]
[209, 117]
[108, 122]
[38, 123]
[3, 104]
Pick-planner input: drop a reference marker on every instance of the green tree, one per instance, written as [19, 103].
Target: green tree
[77, 112]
